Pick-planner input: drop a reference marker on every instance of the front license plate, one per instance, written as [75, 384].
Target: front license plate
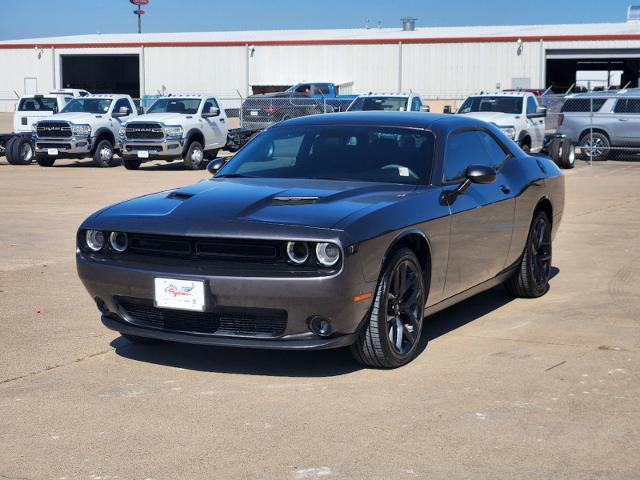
[253, 113]
[179, 294]
[143, 154]
[52, 151]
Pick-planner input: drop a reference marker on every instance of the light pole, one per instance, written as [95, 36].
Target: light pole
[139, 12]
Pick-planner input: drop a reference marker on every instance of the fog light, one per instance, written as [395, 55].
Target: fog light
[320, 326]
[119, 241]
[297, 252]
[94, 240]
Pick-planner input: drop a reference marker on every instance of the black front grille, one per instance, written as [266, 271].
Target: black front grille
[212, 249]
[59, 146]
[53, 130]
[144, 131]
[228, 321]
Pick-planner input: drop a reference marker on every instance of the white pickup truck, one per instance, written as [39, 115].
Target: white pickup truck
[517, 114]
[17, 146]
[86, 127]
[189, 127]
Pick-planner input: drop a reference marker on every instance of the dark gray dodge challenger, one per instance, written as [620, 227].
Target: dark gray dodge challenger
[328, 231]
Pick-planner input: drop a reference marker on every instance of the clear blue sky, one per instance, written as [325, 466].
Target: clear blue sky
[39, 18]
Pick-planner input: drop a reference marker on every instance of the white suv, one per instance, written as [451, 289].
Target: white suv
[517, 114]
[392, 102]
[86, 127]
[190, 127]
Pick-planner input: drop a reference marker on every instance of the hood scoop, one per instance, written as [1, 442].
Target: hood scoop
[180, 195]
[294, 200]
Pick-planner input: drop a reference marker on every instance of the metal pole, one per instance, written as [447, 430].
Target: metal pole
[139, 22]
[143, 74]
[53, 66]
[399, 67]
[247, 55]
[591, 131]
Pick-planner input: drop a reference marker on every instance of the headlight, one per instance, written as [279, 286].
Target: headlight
[327, 254]
[297, 252]
[34, 128]
[509, 132]
[173, 131]
[94, 240]
[119, 241]
[81, 130]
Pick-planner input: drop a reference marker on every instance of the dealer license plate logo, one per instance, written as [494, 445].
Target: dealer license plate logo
[179, 294]
[143, 154]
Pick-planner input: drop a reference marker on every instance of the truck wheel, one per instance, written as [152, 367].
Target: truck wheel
[8, 150]
[20, 151]
[567, 154]
[103, 155]
[212, 154]
[45, 161]
[131, 163]
[595, 146]
[524, 145]
[194, 159]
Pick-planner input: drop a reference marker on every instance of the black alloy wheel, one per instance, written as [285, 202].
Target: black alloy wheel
[391, 336]
[531, 278]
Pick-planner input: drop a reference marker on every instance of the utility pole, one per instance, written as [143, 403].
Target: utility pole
[139, 12]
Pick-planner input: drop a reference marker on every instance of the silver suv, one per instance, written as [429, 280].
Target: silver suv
[602, 124]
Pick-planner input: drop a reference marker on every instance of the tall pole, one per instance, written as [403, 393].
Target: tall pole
[139, 23]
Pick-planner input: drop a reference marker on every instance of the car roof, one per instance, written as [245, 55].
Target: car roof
[631, 92]
[384, 94]
[421, 120]
[518, 93]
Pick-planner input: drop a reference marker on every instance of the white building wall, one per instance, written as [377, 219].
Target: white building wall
[18, 64]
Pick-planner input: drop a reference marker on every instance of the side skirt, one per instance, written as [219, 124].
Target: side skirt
[497, 280]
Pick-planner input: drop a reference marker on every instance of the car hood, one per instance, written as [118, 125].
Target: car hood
[75, 117]
[497, 118]
[166, 118]
[243, 206]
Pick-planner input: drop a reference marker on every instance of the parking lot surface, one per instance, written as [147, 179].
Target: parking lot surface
[505, 388]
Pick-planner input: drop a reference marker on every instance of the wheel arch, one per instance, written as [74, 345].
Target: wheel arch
[417, 241]
[545, 205]
[587, 131]
[524, 138]
[103, 134]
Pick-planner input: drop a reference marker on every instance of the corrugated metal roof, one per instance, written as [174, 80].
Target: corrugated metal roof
[526, 32]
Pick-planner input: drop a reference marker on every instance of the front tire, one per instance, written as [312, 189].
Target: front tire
[531, 279]
[194, 159]
[103, 155]
[390, 336]
[45, 161]
[131, 163]
[20, 151]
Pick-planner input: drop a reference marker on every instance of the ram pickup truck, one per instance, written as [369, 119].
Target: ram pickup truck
[190, 127]
[390, 102]
[86, 127]
[517, 114]
[17, 145]
[326, 92]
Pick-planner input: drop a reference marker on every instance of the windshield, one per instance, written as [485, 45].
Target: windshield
[187, 106]
[512, 105]
[360, 153]
[37, 104]
[88, 105]
[379, 103]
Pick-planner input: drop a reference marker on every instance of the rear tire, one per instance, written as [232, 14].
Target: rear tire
[595, 146]
[45, 161]
[103, 154]
[194, 158]
[140, 340]
[131, 163]
[20, 151]
[390, 336]
[8, 150]
[567, 154]
[531, 278]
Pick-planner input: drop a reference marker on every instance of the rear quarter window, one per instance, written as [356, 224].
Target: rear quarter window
[583, 105]
[38, 105]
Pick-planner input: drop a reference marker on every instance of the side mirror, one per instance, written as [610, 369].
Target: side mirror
[425, 108]
[481, 174]
[213, 112]
[541, 112]
[123, 112]
[214, 165]
[446, 109]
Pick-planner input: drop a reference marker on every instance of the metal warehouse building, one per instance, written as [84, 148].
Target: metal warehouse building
[446, 63]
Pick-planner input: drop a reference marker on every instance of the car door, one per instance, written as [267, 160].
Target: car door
[626, 127]
[215, 129]
[481, 217]
[116, 123]
[536, 124]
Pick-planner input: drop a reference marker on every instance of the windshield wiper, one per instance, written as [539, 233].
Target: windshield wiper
[233, 175]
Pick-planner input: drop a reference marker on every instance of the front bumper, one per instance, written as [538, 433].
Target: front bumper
[302, 298]
[156, 149]
[66, 147]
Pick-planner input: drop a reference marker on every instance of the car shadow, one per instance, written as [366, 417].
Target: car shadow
[316, 364]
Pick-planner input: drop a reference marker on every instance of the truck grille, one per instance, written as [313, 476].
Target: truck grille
[228, 321]
[144, 131]
[53, 130]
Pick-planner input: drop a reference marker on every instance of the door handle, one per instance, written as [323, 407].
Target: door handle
[222, 120]
[505, 189]
[623, 119]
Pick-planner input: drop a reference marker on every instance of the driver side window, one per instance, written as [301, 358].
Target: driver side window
[532, 106]
[470, 148]
[416, 103]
